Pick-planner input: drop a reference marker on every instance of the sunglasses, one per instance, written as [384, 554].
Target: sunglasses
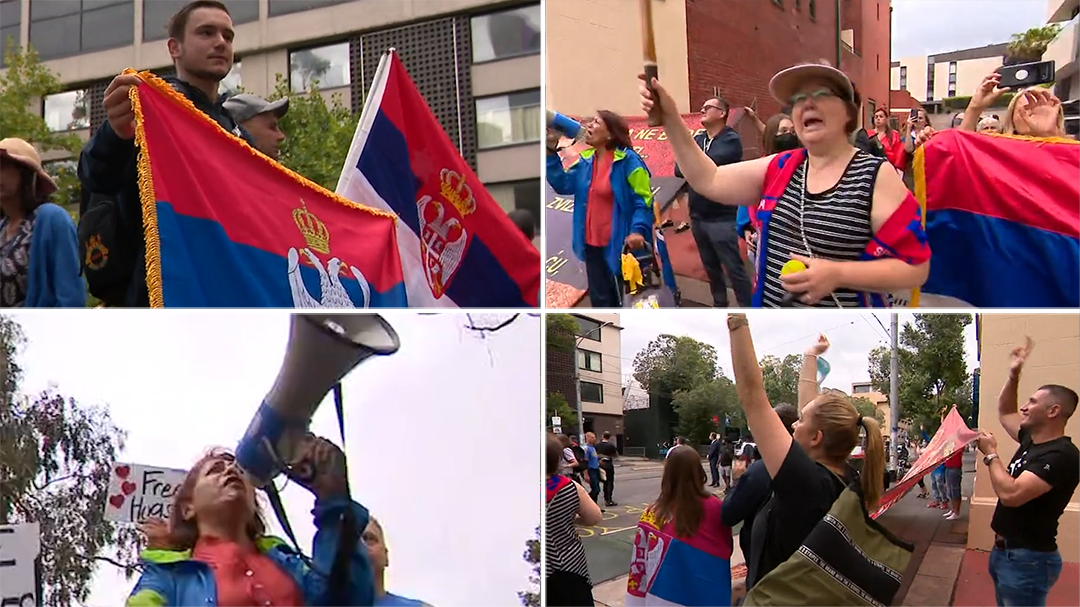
[819, 94]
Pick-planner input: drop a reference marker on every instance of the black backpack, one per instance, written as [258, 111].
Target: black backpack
[579, 455]
[868, 144]
[108, 249]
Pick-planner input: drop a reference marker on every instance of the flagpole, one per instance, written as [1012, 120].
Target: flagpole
[894, 392]
[367, 116]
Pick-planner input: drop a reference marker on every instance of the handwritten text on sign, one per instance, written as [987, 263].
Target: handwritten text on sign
[138, 492]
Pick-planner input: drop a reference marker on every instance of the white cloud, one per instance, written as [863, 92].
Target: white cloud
[440, 436]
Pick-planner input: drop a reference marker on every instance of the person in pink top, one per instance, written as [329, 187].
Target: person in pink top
[682, 551]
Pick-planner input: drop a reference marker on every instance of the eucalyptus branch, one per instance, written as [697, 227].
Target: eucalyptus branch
[501, 325]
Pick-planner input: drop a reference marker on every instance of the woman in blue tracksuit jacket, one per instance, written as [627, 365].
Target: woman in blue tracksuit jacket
[214, 551]
[608, 214]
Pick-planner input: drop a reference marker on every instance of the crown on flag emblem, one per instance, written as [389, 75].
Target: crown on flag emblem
[312, 228]
[454, 190]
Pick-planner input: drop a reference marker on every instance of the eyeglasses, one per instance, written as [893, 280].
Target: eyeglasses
[711, 107]
[819, 94]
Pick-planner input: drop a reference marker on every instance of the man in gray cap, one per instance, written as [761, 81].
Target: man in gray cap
[259, 118]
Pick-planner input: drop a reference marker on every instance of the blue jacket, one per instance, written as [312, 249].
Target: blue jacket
[630, 184]
[55, 280]
[172, 578]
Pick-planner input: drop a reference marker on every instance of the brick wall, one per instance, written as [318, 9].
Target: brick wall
[870, 67]
[737, 45]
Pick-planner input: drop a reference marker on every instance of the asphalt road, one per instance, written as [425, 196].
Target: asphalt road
[609, 545]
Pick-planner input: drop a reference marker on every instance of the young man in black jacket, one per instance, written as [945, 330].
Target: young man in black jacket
[201, 46]
[712, 223]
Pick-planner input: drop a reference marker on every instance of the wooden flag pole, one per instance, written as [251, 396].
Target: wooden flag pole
[648, 52]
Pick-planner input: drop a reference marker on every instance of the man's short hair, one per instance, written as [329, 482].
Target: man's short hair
[607, 435]
[1065, 397]
[178, 22]
[722, 103]
[788, 415]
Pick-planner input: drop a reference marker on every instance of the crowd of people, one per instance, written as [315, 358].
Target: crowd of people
[827, 210]
[792, 481]
[44, 261]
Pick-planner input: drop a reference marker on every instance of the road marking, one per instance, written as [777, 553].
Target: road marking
[619, 530]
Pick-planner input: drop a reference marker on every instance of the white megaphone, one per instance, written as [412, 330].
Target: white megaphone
[322, 349]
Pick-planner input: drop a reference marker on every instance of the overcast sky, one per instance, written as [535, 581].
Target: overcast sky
[851, 334]
[180, 382]
[928, 27]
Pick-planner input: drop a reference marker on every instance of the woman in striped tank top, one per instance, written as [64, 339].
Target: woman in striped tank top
[566, 571]
[855, 228]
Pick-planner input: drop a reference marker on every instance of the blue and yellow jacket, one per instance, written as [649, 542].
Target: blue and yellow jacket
[632, 189]
[172, 579]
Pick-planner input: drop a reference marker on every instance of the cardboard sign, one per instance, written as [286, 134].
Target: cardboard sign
[20, 546]
[138, 492]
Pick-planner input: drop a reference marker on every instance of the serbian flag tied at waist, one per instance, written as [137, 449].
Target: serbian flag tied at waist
[1003, 218]
[458, 246]
[226, 226]
[952, 436]
[661, 563]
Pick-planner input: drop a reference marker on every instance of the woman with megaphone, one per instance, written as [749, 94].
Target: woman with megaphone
[852, 229]
[214, 549]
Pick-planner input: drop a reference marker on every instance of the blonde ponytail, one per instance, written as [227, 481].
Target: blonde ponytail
[873, 472]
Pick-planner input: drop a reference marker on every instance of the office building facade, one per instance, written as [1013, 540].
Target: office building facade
[477, 63]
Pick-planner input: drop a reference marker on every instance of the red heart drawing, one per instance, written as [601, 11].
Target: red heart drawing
[116, 501]
[127, 488]
[123, 471]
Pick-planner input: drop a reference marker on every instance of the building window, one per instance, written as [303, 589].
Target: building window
[508, 119]
[67, 111]
[63, 28]
[861, 389]
[156, 15]
[284, 7]
[590, 329]
[512, 33]
[812, 10]
[878, 7]
[519, 195]
[798, 5]
[871, 106]
[952, 68]
[231, 83]
[326, 65]
[590, 361]
[592, 392]
[877, 62]
[903, 77]
[10, 20]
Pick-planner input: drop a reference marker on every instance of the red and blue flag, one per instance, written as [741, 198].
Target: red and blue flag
[1003, 219]
[227, 226]
[458, 246]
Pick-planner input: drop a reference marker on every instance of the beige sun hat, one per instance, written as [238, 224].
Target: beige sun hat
[23, 153]
[786, 82]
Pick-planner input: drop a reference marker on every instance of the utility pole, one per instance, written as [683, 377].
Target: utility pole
[577, 396]
[894, 391]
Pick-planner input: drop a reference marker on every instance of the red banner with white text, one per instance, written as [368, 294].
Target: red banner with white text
[952, 436]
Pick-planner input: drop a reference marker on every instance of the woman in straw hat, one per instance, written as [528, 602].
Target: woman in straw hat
[39, 259]
[837, 231]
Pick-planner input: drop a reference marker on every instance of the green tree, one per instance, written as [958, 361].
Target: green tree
[867, 408]
[1031, 44]
[558, 407]
[55, 459]
[781, 378]
[672, 363]
[561, 331]
[317, 134]
[23, 84]
[531, 597]
[698, 406]
[933, 373]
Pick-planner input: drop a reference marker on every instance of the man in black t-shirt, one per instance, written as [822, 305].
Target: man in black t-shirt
[727, 454]
[1033, 490]
[607, 453]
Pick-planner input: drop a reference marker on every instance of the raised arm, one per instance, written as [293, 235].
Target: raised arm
[731, 184]
[1008, 401]
[773, 440]
[987, 93]
[808, 384]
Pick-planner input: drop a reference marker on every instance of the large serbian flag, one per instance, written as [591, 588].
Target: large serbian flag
[458, 246]
[669, 570]
[1003, 218]
[228, 227]
[952, 436]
